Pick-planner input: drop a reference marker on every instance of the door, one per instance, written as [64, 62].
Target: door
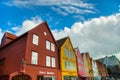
[40, 78]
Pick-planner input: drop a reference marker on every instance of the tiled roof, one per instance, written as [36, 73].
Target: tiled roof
[61, 41]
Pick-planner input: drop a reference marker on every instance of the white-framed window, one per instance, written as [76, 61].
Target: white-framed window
[48, 61]
[35, 39]
[34, 59]
[47, 45]
[45, 33]
[52, 47]
[53, 62]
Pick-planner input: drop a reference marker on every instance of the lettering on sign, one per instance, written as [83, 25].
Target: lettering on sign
[47, 72]
[50, 72]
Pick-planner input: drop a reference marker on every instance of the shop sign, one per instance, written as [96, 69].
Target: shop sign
[46, 72]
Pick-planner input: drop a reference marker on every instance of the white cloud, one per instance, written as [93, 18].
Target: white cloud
[15, 28]
[1, 35]
[27, 25]
[61, 7]
[98, 36]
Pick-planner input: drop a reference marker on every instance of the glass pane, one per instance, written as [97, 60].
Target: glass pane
[52, 47]
[48, 45]
[47, 61]
[53, 62]
[34, 58]
[35, 39]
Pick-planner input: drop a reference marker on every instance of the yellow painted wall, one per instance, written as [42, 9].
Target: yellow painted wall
[69, 57]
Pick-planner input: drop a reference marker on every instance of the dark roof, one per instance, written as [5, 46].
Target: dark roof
[60, 42]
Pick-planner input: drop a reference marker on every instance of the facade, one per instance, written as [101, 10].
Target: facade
[80, 65]
[113, 65]
[67, 59]
[91, 69]
[31, 56]
[102, 70]
[86, 65]
[95, 70]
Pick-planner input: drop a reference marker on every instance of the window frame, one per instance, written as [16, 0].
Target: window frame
[35, 39]
[34, 58]
[53, 62]
[52, 47]
[48, 45]
[48, 61]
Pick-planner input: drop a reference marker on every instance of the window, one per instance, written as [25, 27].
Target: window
[48, 45]
[34, 58]
[52, 47]
[45, 33]
[48, 61]
[53, 62]
[35, 39]
[2, 61]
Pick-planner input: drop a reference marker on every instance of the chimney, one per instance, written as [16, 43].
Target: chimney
[7, 38]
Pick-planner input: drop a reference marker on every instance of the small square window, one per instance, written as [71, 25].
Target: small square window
[45, 33]
[35, 39]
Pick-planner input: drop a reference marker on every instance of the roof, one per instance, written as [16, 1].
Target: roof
[9, 35]
[112, 60]
[14, 39]
[61, 41]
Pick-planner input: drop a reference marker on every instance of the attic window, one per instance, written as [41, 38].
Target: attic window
[45, 33]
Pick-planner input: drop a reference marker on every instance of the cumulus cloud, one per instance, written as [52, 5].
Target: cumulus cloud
[1, 35]
[27, 25]
[61, 7]
[98, 36]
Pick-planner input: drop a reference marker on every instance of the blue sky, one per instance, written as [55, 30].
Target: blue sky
[87, 22]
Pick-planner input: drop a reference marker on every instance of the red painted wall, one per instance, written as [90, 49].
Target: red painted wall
[13, 53]
[80, 63]
[22, 48]
[41, 48]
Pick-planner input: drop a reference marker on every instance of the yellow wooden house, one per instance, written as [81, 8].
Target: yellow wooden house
[67, 59]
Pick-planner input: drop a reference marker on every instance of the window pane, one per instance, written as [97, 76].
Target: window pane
[34, 58]
[52, 47]
[48, 61]
[48, 45]
[53, 62]
[35, 39]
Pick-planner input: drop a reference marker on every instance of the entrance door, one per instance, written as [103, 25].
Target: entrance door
[40, 78]
[21, 77]
[49, 78]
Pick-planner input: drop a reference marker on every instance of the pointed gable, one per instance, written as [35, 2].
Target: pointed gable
[7, 38]
[61, 41]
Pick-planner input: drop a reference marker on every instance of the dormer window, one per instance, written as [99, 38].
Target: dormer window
[35, 39]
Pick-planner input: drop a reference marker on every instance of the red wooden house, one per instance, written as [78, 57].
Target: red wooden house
[80, 65]
[31, 56]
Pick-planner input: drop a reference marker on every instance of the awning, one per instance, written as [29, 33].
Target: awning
[83, 75]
